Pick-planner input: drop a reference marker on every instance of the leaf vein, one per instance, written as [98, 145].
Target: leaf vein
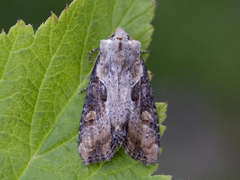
[114, 7]
[85, 41]
[9, 56]
[37, 102]
[12, 166]
[4, 132]
[138, 16]
[126, 12]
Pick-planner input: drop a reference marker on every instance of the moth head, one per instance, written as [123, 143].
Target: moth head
[120, 34]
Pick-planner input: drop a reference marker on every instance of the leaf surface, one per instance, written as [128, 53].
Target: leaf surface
[40, 107]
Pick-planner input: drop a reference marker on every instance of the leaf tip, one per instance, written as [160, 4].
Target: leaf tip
[54, 16]
[20, 22]
[150, 75]
[2, 34]
[66, 8]
[22, 28]
[162, 129]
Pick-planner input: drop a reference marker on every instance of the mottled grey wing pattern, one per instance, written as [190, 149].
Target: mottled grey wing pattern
[142, 141]
[119, 105]
[95, 137]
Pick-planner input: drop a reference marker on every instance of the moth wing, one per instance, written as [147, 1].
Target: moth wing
[96, 143]
[142, 140]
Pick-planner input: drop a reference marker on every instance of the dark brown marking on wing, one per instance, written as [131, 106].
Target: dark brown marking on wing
[103, 92]
[135, 93]
[120, 46]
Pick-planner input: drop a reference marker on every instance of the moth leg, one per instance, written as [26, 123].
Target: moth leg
[90, 60]
[83, 90]
[90, 57]
[90, 53]
[145, 52]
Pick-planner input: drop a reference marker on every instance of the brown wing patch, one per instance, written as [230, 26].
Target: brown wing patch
[90, 118]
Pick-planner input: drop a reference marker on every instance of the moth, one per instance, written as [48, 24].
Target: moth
[119, 105]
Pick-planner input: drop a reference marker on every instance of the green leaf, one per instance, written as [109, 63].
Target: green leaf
[150, 75]
[162, 109]
[40, 107]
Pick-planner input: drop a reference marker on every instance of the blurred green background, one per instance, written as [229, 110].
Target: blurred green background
[195, 58]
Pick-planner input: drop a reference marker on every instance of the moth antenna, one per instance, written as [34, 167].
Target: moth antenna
[90, 54]
[111, 35]
[86, 76]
